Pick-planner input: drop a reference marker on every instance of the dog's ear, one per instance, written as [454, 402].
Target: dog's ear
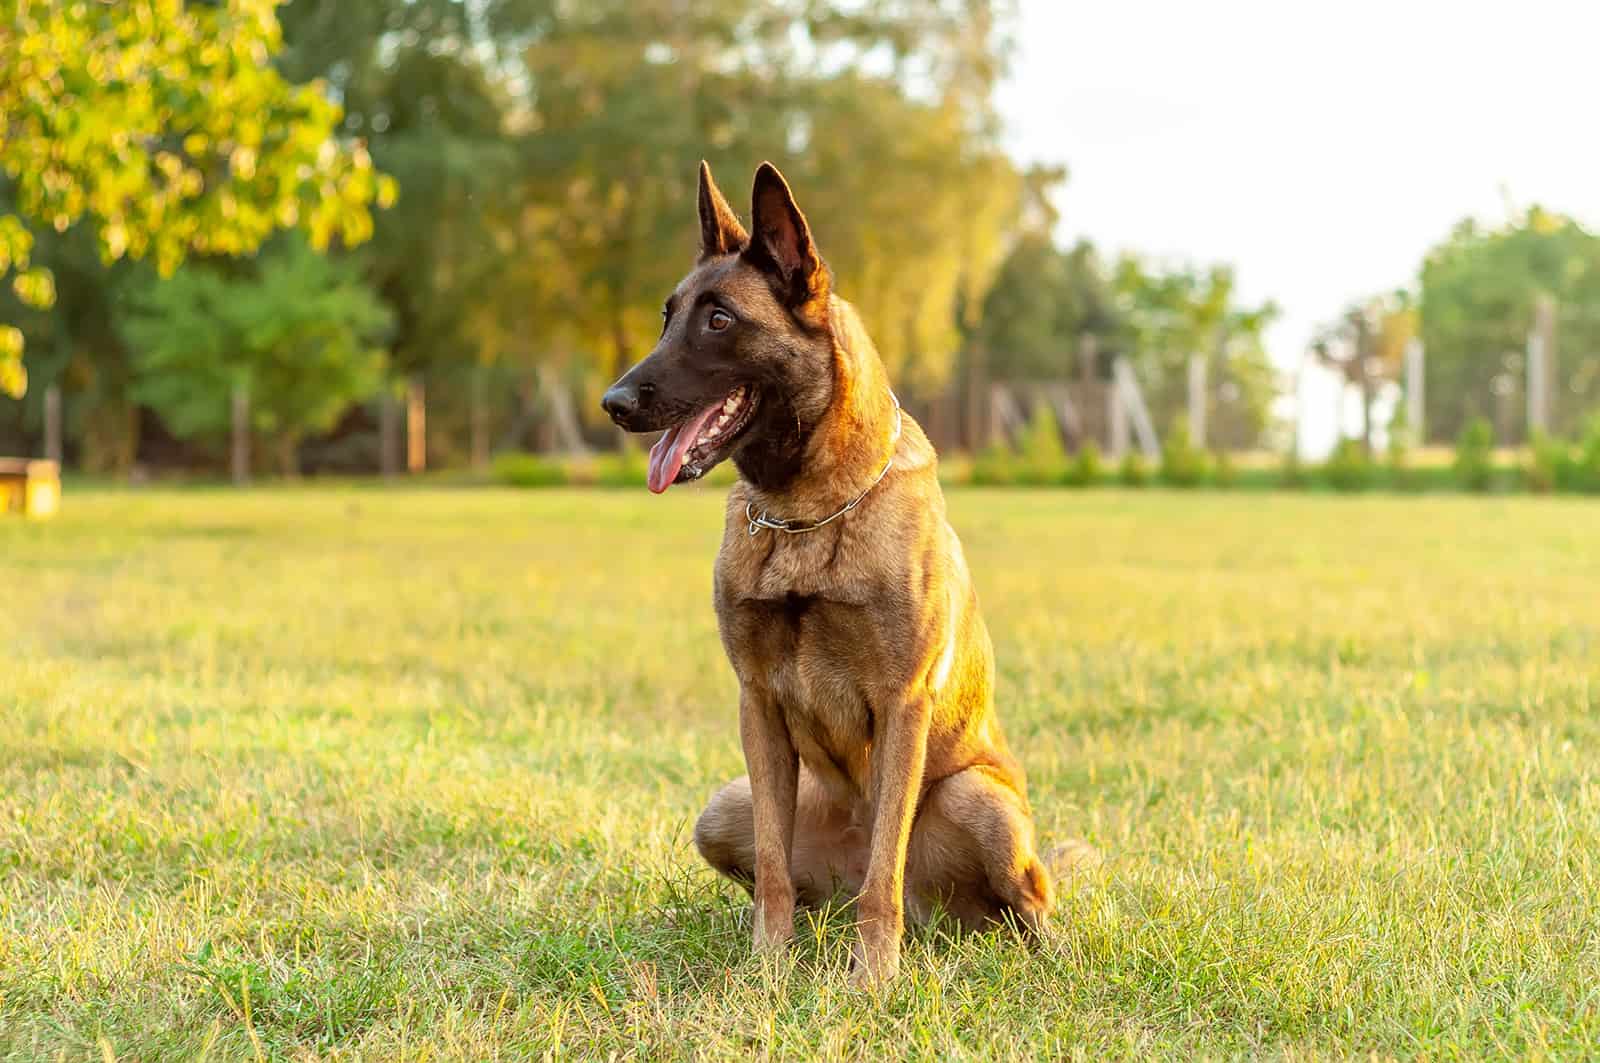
[780, 241]
[720, 231]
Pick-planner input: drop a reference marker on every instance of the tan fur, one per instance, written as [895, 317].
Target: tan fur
[877, 764]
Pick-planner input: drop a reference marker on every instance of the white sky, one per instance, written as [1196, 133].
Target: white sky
[1320, 148]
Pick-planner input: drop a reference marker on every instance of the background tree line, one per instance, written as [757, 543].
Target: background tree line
[544, 154]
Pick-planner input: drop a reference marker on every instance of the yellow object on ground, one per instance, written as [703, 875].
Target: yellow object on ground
[32, 488]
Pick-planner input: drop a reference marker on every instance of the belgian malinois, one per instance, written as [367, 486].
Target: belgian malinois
[877, 766]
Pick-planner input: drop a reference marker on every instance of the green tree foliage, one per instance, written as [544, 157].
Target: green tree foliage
[426, 83]
[878, 113]
[1043, 302]
[1479, 291]
[165, 124]
[1169, 314]
[296, 331]
[1367, 346]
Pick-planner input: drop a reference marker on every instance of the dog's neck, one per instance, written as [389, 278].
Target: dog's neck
[812, 470]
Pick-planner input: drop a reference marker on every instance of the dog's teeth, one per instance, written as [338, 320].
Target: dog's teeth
[713, 430]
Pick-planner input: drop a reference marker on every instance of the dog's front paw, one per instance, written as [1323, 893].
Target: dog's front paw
[874, 960]
[773, 920]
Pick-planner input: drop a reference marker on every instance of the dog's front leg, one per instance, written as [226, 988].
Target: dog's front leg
[774, 768]
[900, 750]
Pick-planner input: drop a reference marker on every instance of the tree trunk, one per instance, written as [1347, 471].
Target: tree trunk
[563, 414]
[52, 424]
[239, 455]
[1366, 406]
[479, 416]
[289, 455]
[416, 427]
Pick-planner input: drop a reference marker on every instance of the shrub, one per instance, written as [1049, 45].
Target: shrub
[1402, 477]
[1223, 471]
[527, 470]
[1583, 473]
[1550, 465]
[1182, 464]
[1133, 472]
[1348, 467]
[1087, 468]
[1293, 473]
[1042, 458]
[1474, 465]
[995, 467]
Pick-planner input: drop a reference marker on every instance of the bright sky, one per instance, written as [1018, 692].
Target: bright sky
[1320, 148]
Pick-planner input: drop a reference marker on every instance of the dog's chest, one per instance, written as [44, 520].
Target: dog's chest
[810, 655]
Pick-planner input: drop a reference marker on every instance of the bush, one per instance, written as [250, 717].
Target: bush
[1182, 465]
[1583, 471]
[527, 470]
[1042, 458]
[1223, 472]
[1348, 467]
[995, 467]
[1293, 473]
[1550, 465]
[1474, 465]
[1087, 468]
[1133, 472]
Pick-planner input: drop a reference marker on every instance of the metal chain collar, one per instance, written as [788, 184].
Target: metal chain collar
[796, 527]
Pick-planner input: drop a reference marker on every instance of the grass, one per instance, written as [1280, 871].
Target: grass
[364, 773]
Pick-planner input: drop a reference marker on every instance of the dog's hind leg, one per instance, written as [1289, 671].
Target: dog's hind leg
[972, 854]
[829, 853]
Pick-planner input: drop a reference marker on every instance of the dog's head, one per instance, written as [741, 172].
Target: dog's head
[743, 368]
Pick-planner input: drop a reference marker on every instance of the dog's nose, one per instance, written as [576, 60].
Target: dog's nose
[621, 401]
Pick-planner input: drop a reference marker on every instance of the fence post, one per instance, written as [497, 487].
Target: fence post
[1116, 421]
[239, 451]
[1197, 399]
[1414, 404]
[52, 424]
[1538, 380]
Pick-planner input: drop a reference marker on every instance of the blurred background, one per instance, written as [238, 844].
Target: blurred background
[356, 237]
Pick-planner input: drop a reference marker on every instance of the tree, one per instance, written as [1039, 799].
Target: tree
[1042, 302]
[294, 330]
[626, 97]
[1479, 291]
[1169, 315]
[1367, 346]
[163, 123]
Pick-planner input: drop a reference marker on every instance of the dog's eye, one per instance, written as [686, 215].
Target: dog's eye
[719, 320]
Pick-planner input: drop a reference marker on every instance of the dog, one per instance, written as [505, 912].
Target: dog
[876, 763]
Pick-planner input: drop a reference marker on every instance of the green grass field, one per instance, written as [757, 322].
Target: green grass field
[358, 772]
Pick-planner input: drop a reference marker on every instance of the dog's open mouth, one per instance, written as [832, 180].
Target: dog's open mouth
[688, 450]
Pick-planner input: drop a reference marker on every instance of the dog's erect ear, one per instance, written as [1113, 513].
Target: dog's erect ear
[780, 241]
[720, 231]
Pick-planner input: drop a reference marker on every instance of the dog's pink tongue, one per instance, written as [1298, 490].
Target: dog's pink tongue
[666, 457]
